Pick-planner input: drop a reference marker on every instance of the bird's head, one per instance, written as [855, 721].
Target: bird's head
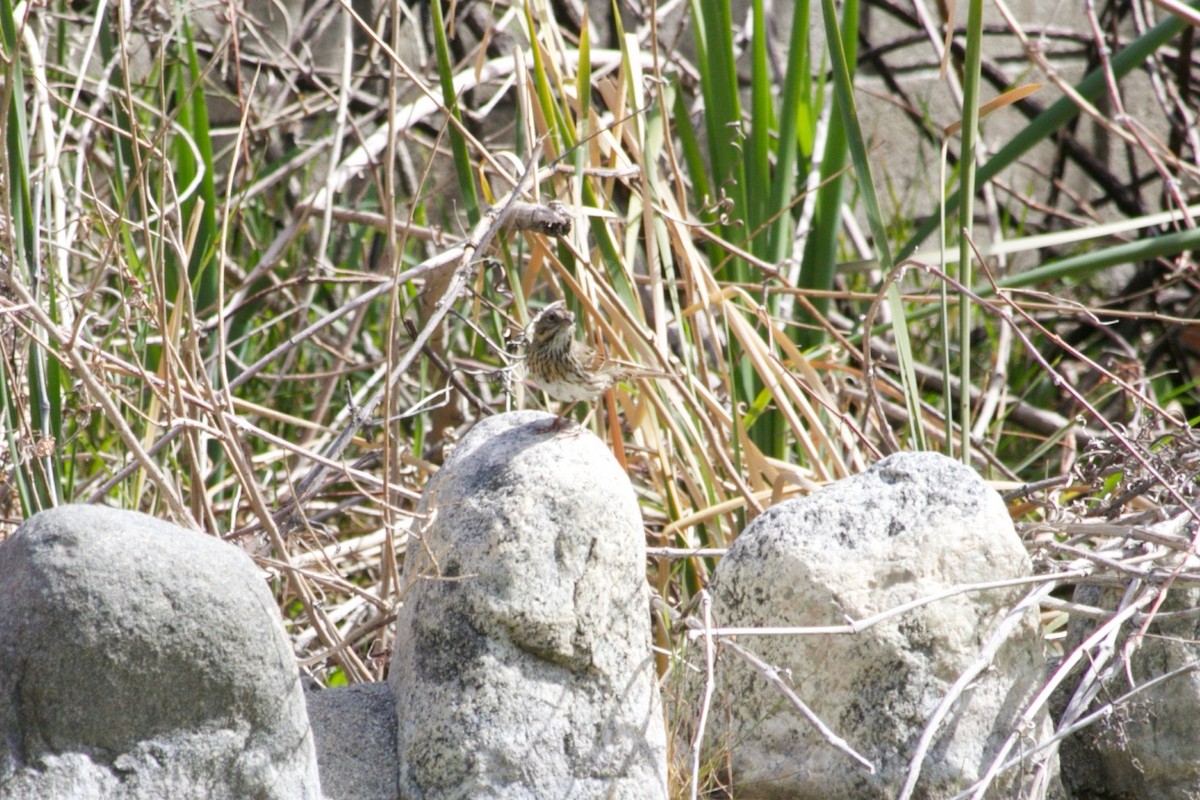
[555, 322]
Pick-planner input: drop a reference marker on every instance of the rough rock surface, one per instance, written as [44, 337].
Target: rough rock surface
[912, 525]
[355, 731]
[523, 666]
[141, 660]
[1147, 747]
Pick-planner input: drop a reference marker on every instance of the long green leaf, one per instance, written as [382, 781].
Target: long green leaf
[820, 248]
[713, 28]
[796, 120]
[1080, 266]
[36, 477]
[458, 143]
[1063, 111]
[193, 118]
[967, 193]
[758, 147]
[844, 87]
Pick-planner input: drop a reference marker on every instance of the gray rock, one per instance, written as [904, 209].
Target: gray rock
[1147, 747]
[523, 666]
[355, 732]
[913, 524]
[140, 660]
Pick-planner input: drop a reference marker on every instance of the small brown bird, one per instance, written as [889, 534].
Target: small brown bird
[569, 370]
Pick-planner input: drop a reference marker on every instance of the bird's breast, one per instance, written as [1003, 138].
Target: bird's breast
[567, 391]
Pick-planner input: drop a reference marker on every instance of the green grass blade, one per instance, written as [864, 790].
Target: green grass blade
[821, 246]
[692, 154]
[758, 147]
[561, 131]
[713, 27]
[970, 131]
[1078, 267]
[844, 90]
[458, 143]
[855, 142]
[1059, 114]
[193, 119]
[797, 123]
[36, 476]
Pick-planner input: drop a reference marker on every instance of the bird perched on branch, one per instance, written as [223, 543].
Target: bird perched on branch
[569, 370]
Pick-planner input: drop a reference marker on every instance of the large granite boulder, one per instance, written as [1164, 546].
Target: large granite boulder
[522, 666]
[909, 527]
[1145, 746]
[355, 731]
[139, 660]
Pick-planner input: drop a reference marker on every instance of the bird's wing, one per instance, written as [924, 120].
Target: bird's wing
[625, 370]
[591, 359]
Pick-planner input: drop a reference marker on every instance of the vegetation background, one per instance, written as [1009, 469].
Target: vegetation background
[261, 268]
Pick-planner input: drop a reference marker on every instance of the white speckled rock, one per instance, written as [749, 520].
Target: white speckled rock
[139, 660]
[355, 732]
[522, 666]
[913, 524]
[1147, 747]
